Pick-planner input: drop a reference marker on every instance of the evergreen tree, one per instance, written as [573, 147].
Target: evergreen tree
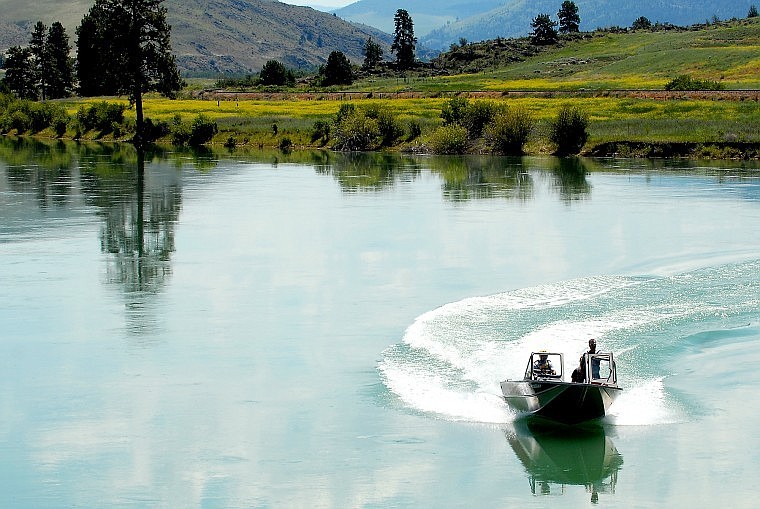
[96, 77]
[37, 48]
[373, 54]
[569, 20]
[641, 23]
[273, 73]
[60, 68]
[19, 73]
[124, 48]
[404, 40]
[752, 12]
[543, 30]
[337, 71]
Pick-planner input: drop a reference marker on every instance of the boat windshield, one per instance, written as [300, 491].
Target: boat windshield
[544, 365]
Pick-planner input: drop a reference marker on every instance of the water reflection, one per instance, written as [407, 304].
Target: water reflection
[556, 458]
[463, 178]
[570, 178]
[474, 178]
[138, 230]
[365, 171]
[139, 209]
[39, 169]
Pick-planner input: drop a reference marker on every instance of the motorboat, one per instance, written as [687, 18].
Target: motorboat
[544, 394]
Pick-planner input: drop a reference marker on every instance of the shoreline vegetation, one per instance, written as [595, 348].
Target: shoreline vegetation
[606, 93]
[625, 123]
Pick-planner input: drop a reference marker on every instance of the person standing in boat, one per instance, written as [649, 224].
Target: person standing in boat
[594, 362]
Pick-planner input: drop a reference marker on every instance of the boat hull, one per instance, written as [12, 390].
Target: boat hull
[562, 402]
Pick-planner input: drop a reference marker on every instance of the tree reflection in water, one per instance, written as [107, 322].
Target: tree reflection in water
[570, 178]
[464, 177]
[139, 210]
[38, 168]
[138, 231]
[370, 171]
[138, 234]
[480, 177]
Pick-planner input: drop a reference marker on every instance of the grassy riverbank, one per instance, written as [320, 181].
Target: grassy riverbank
[673, 119]
[615, 79]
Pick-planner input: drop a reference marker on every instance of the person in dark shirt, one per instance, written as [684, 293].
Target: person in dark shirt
[579, 374]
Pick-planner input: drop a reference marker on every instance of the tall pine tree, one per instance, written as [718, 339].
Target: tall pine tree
[123, 47]
[94, 74]
[569, 20]
[404, 40]
[19, 72]
[543, 30]
[373, 54]
[37, 48]
[59, 81]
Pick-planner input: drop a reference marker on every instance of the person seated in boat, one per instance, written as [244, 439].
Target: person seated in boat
[543, 366]
[579, 374]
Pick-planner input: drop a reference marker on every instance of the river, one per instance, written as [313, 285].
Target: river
[233, 329]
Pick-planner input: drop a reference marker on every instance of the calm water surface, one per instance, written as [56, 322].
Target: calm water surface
[321, 330]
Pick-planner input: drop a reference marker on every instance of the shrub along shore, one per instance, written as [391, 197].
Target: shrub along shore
[719, 124]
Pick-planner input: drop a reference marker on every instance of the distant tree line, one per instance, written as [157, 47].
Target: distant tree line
[44, 69]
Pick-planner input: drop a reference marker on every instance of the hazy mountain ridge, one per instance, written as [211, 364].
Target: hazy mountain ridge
[514, 18]
[218, 36]
[488, 19]
[426, 14]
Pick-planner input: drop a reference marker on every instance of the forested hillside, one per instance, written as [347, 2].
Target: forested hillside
[217, 36]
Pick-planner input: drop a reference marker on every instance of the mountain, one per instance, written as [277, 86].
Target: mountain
[239, 36]
[439, 23]
[514, 17]
[17, 18]
[218, 36]
[426, 14]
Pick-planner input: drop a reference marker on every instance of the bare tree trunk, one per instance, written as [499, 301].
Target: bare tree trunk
[139, 139]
